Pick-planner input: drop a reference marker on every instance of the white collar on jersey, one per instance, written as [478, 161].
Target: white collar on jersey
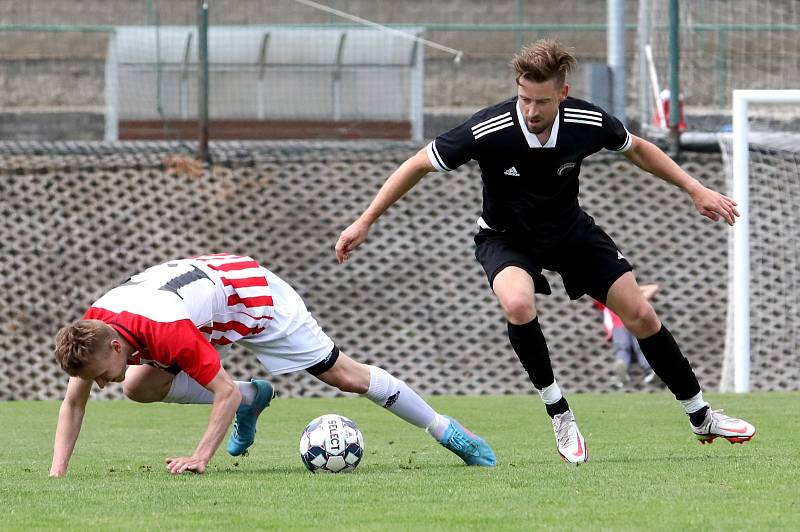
[533, 140]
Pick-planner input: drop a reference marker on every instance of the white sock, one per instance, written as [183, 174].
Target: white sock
[437, 428]
[551, 394]
[395, 395]
[248, 391]
[187, 391]
[694, 404]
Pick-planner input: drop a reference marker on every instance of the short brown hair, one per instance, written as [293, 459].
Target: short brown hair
[543, 60]
[76, 344]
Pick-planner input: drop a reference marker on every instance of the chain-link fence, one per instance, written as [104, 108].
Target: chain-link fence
[80, 218]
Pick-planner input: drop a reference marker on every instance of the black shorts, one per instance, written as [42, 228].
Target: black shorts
[588, 260]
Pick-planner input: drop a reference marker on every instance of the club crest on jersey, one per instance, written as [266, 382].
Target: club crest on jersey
[564, 169]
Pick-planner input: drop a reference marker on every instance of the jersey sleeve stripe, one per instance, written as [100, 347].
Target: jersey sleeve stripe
[576, 121]
[435, 158]
[505, 121]
[582, 112]
[596, 119]
[491, 121]
[571, 114]
[627, 144]
[486, 132]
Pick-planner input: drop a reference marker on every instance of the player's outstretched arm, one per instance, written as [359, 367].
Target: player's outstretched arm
[226, 400]
[70, 418]
[401, 181]
[709, 203]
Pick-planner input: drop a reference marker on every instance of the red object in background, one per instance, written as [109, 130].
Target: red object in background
[664, 102]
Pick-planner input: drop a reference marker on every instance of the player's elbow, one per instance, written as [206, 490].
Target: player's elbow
[420, 164]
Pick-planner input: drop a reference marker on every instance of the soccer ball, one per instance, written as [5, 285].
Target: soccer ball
[331, 444]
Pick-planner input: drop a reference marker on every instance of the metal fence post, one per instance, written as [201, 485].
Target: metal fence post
[202, 82]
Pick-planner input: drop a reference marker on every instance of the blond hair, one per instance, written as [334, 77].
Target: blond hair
[543, 60]
[76, 344]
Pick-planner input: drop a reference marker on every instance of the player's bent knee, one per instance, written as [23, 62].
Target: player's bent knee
[142, 390]
[643, 321]
[145, 384]
[135, 392]
[519, 310]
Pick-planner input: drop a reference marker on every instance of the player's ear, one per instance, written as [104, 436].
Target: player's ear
[564, 91]
[116, 345]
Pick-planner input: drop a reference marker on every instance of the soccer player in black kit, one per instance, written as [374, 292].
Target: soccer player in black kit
[530, 149]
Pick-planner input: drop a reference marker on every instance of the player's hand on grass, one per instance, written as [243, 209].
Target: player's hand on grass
[714, 205]
[183, 464]
[350, 239]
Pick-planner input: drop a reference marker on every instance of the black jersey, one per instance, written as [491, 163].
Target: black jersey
[527, 186]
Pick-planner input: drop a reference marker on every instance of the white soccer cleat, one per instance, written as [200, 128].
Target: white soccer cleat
[569, 440]
[718, 425]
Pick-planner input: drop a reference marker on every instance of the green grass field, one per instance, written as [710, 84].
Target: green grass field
[646, 471]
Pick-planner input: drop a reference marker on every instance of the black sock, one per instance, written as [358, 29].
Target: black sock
[666, 359]
[697, 418]
[559, 407]
[531, 349]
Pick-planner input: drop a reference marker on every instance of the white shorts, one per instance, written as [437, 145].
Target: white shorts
[293, 341]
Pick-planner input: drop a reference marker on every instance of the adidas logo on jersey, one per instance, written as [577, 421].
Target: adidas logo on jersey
[512, 171]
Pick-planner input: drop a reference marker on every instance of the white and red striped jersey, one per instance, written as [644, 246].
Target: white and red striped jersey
[610, 320]
[176, 312]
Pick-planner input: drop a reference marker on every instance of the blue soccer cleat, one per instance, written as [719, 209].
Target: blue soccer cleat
[469, 447]
[244, 426]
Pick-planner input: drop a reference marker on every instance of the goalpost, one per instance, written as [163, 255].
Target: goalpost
[778, 154]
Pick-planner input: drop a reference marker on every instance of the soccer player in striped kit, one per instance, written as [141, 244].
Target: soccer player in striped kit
[162, 334]
[530, 149]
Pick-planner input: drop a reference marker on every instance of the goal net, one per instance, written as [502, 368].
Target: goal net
[762, 161]
[724, 45]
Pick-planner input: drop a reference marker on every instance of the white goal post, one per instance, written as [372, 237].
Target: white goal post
[739, 288]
